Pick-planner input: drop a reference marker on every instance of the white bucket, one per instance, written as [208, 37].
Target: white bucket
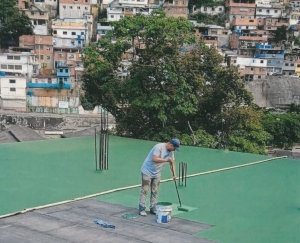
[163, 212]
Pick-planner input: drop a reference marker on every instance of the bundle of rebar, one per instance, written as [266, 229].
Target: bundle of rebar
[182, 173]
[102, 161]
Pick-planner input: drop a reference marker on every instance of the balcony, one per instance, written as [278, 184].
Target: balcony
[265, 55]
[49, 86]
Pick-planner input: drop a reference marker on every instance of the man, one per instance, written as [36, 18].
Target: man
[158, 157]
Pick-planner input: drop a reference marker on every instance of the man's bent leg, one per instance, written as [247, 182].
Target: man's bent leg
[146, 181]
[154, 193]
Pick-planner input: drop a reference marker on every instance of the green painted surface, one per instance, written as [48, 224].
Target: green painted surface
[259, 203]
[252, 204]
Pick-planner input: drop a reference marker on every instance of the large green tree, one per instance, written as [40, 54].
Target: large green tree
[13, 23]
[174, 87]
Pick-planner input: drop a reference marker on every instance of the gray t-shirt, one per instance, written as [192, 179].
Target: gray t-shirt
[151, 168]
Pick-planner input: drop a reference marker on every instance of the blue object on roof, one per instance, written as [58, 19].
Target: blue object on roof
[30, 93]
[2, 74]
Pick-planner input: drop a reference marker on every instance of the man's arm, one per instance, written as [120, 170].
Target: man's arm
[157, 159]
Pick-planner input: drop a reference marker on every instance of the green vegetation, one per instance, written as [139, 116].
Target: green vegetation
[219, 19]
[206, 3]
[173, 93]
[102, 14]
[13, 24]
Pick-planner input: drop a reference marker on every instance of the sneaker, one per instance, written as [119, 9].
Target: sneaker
[143, 213]
[153, 211]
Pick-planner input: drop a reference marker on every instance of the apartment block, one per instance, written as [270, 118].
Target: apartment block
[240, 9]
[176, 8]
[102, 29]
[212, 10]
[267, 10]
[13, 91]
[244, 24]
[274, 55]
[74, 8]
[42, 46]
[19, 64]
[250, 69]
[39, 17]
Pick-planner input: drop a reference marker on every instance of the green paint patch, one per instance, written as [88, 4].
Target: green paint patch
[175, 210]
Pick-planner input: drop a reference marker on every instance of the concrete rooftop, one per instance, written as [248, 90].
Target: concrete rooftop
[258, 203]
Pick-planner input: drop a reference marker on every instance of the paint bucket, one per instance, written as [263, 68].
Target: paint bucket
[163, 212]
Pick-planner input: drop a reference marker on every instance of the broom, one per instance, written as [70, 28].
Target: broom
[180, 208]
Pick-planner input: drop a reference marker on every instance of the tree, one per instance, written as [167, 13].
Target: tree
[13, 24]
[168, 91]
[285, 129]
[281, 33]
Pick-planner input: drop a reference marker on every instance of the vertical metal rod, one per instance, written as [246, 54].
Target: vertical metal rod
[185, 174]
[100, 142]
[106, 141]
[182, 172]
[179, 167]
[96, 147]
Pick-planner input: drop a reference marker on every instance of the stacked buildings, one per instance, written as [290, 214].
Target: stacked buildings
[43, 74]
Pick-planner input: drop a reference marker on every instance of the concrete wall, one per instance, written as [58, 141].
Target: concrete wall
[45, 121]
[275, 91]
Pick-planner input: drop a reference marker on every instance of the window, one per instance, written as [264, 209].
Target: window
[220, 9]
[292, 64]
[65, 79]
[234, 61]
[276, 11]
[48, 57]
[55, 32]
[259, 10]
[60, 55]
[10, 58]
[11, 67]
[61, 70]
[64, 7]
[205, 9]
[82, 33]
[252, 69]
[65, 32]
[212, 9]
[32, 13]
[261, 61]
[268, 11]
[17, 58]
[3, 66]
[86, 1]
[259, 77]
[12, 81]
[18, 67]
[71, 7]
[112, 16]
[286, 64]
[290, 73]
[48, 48]
[67, 70]
[42, 57]
[283, 73]
[86, 8]
[78, 7]
[41, 13]
[60, 79]
[12, 89]
[73, 33]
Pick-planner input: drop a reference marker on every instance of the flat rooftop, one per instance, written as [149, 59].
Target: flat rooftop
[254, 203]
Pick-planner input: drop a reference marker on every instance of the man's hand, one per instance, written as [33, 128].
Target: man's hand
[171, 161]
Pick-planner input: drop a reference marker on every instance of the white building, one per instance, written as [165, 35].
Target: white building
[13, 63]
[267, 9]
[102, 29]
[250, 62]
[74, 8]
[13, 92]
[76, 29]
[53, 3]
[212, 10]
[118, 9]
